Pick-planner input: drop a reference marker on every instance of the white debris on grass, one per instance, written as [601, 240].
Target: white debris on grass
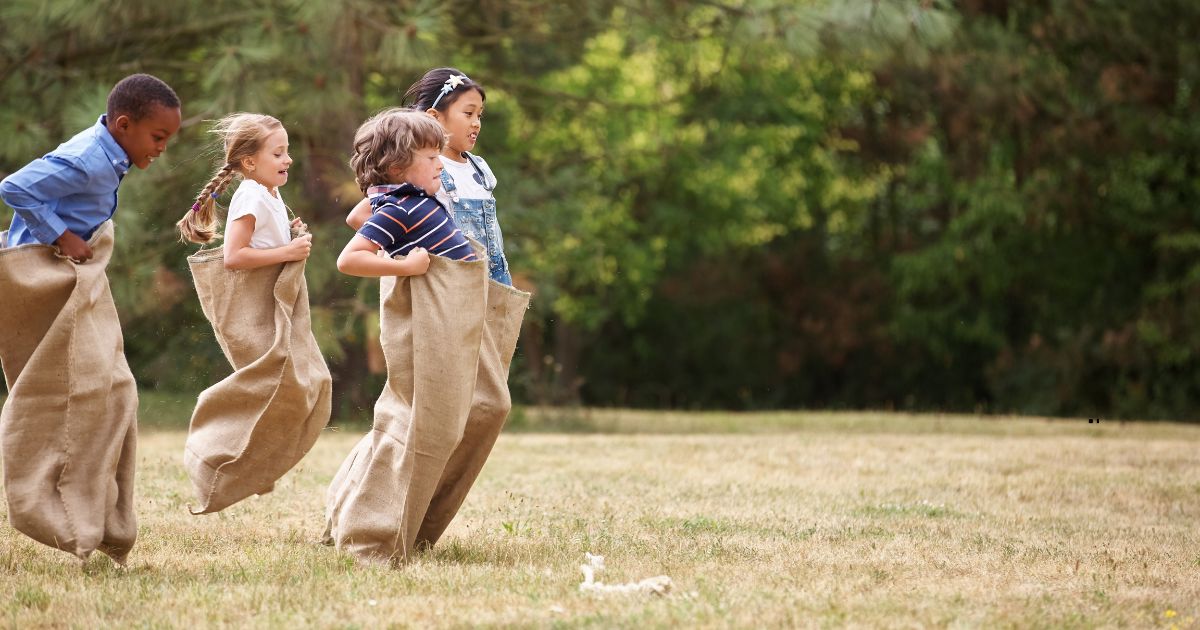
[658, 585]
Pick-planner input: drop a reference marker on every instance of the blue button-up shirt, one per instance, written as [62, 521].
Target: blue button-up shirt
[74, 187]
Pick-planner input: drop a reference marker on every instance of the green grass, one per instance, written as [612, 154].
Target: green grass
[582, 420]
[171, 410]
[760, 520]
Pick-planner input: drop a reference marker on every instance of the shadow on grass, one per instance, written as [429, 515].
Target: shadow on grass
[511, 553]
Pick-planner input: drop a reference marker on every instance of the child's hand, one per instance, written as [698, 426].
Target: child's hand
[417, 261]
[359, 214]
[299, 248]
[299, 227]
[74, 247]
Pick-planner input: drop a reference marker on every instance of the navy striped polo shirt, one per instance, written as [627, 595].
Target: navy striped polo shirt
[405, 217]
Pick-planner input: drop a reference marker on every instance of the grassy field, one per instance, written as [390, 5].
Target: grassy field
[787, 519]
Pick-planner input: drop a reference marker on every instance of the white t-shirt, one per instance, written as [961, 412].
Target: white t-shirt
[465, 183]
[271, 225]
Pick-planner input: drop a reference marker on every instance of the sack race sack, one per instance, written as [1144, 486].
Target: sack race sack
[251, 428]
[448, 337]
[68, 430]
[490, 404]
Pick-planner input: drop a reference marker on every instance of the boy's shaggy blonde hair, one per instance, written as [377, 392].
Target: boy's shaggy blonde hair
[392, 137]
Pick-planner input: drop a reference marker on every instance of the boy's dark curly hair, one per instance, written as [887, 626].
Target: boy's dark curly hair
[137, 94]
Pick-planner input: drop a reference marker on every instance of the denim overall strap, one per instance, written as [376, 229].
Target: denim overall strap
[488, 185]
[449, 187]
[477, 219]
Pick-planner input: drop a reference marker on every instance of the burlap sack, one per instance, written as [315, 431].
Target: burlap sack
[490, 404]
[448, 337]
[252, 427]
[68, 431]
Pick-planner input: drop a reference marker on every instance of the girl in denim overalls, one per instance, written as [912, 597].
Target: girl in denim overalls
[474, 208]
[467, 183]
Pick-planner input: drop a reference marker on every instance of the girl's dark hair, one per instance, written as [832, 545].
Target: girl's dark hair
[422, 94]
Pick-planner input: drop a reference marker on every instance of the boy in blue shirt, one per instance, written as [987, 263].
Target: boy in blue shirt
[68, 428]
[61, 198]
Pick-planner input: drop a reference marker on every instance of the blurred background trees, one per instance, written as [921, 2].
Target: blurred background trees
[987, 206]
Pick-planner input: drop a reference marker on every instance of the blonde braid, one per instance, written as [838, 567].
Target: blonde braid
[200, 224]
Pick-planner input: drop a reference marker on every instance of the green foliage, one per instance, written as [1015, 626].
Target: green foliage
[1049, 209]
[741, 204]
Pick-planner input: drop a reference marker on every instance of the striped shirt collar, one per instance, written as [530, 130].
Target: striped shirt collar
[395, 190]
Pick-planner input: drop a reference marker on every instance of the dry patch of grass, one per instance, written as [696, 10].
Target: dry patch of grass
[798, 520]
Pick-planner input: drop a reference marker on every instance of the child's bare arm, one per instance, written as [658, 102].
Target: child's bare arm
[359, 214]
[239, 254]
[359, 259]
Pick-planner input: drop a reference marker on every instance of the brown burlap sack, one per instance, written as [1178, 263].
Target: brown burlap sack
[490, 404]
[252, 427]
[68, 431]
[448, 337]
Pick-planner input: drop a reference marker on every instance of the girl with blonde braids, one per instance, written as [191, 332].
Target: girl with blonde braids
[250, 428]
[258, 232]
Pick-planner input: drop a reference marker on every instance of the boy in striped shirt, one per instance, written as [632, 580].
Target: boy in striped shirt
[396, 164]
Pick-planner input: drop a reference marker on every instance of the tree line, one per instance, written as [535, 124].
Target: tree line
[984, 205]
